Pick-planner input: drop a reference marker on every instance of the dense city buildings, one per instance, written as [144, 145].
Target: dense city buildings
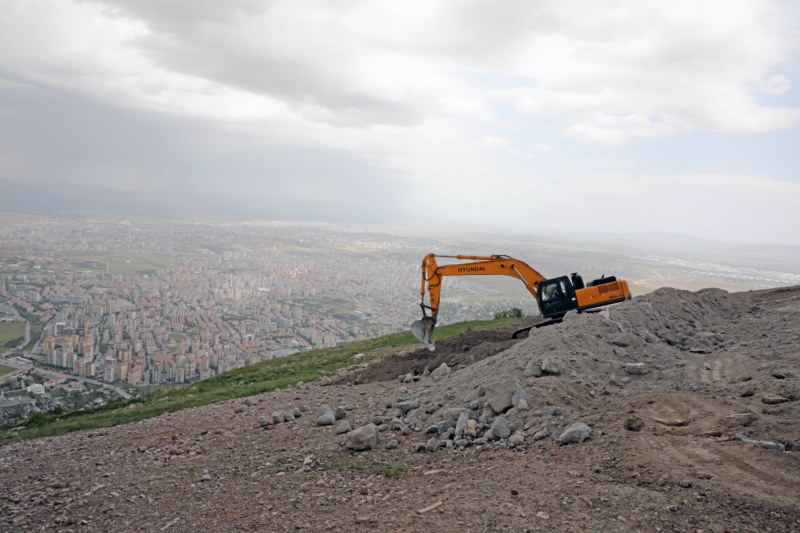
[151, 303]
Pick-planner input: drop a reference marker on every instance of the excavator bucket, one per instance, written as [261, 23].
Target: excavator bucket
[423, 331]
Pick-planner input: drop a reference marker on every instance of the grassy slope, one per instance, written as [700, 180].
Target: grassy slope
[11, 331]
[255, 379]
[6, 370]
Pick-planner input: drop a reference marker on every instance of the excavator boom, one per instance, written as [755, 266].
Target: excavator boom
[555, 297]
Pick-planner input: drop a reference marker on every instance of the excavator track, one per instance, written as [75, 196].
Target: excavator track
[524, 332]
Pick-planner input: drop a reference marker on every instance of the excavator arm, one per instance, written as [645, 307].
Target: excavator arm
[481, 265]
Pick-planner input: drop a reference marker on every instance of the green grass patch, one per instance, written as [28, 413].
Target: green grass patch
[177, 337]
[371, 467]
[11, 332]
[6, 370]
[261, 377]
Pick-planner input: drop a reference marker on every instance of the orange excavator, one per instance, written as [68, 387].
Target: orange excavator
[555, 296]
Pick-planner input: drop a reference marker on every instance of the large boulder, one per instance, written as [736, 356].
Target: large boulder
[325, 416]
[363, 438]
[498, 395]
[575, 434]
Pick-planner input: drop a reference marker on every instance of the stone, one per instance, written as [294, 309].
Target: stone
[363, 438]
[265, 421]
[297, 412]
[516, 439]
[288, 416]
[551, 366]
[325, 416]
[340, 412]
[533, 369]
[635, 369]
[685, 484]
[541, 434]
[441, 371]
[277, 417]
[520, 399]
[461, 423]
[625, 340]
[238, 409]
[461, 443]
[405, 407]
[500, 428]
[575, 434]
[634, 423]
[739, 419]
[419, 447]
[498, 395]
[774, 400]
[432, 445]
[251, 402]
[471, 429]
[392, 444]
[343, 426]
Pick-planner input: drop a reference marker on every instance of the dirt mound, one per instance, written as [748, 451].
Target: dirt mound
[464, 349]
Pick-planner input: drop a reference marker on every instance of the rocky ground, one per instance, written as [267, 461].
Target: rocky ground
[677, 411]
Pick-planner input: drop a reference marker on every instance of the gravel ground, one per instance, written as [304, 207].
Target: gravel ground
[690, 398]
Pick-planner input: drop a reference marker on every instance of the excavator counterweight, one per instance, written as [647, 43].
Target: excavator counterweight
[555, 296]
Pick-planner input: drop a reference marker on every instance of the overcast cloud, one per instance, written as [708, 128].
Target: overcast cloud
[571, 115]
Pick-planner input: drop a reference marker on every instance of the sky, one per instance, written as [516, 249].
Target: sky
[636, 116]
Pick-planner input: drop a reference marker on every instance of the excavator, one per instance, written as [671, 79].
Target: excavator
[555, 296]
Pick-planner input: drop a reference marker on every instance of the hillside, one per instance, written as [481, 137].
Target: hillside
[682, 410]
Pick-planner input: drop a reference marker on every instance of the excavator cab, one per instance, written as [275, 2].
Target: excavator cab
[556, 297]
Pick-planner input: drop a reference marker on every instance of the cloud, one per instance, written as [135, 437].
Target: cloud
[441, 101]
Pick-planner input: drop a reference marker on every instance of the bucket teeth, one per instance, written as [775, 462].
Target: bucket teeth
[423, 331]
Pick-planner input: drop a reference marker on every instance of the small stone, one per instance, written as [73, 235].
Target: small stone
[461, 423]
[541, 434]
[432, 444]
[533, 369]
[205, 477]
[251, 401]
[520, 399]
[634, 423]
[340, 412]
[297, 412]
[672, 508]
[500, 428]
[441, 371]
[739, 419]
[551, 367]
[516, 439]
[498, 395]
[363, 438]
[774, 400]
[265, 421]
[685, 484]
[576, 433]
[471, 429]
[392, 444]
[325, 416]
[635, 369]
[343, 426]
[277, 417]
[239, 409]
[419, 447]
[288, 416]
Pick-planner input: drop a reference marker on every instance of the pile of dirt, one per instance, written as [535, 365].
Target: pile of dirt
[457, 352]
[560, 370]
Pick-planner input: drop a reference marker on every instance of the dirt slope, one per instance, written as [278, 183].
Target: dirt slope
[657, 380]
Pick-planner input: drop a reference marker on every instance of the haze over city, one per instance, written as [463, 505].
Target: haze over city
[523, 117]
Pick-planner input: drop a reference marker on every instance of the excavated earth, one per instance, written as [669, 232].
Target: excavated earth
[693, 401]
